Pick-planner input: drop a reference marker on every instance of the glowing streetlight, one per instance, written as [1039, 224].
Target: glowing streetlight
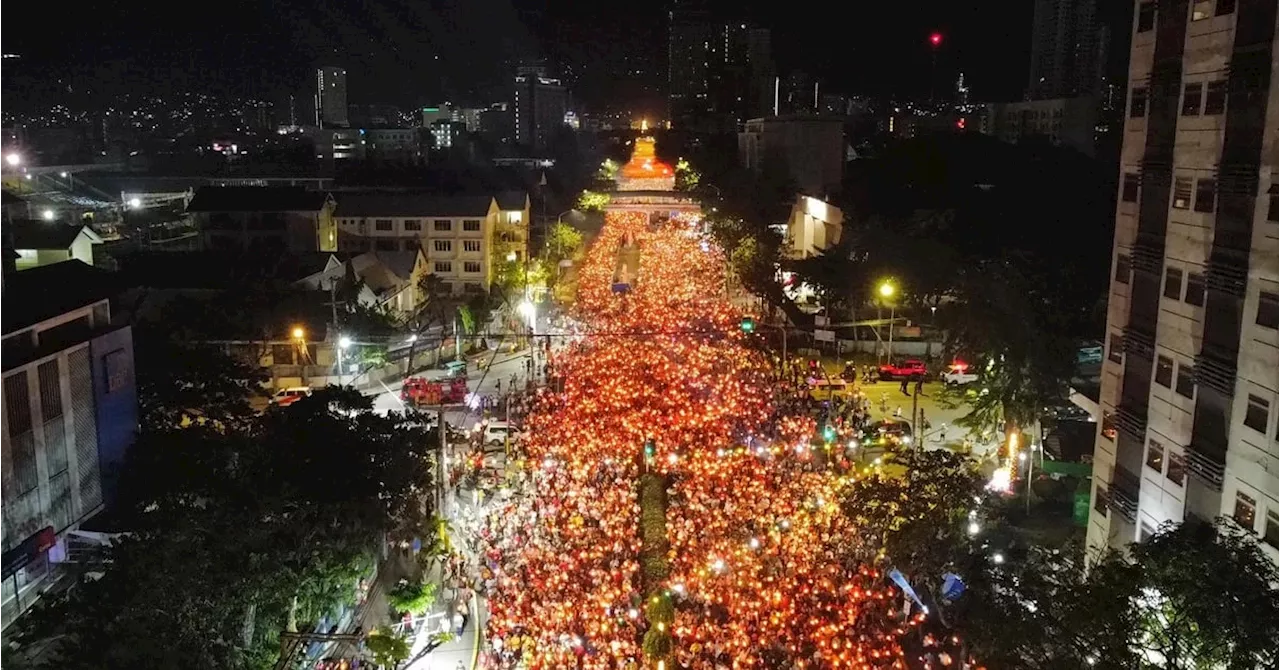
[511, 256]
[135, 203]
[298, 333]
[344, 342]
[47, 214]
[886, 289]
[13, 159]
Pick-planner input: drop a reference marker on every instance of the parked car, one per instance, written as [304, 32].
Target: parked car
[957, 374]
[288, 396]
[454, 369]
[908, 369]
[499, 432]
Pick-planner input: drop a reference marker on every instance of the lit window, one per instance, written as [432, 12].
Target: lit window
[1256, 414]
[1164, 371]
[1182, 192]
[1155, 456]
[1108, 425]
[1115, 348]
[1246, 511]
[1173, 283]
[1201, 10]
[1268, 310]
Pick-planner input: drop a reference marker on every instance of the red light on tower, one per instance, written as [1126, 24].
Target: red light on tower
[935, 39]
[960, 123]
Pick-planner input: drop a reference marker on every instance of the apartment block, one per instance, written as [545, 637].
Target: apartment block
[1189, 384]
[456, 232]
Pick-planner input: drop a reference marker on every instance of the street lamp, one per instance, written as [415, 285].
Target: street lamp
[344, 343]
[13, 159]
[47, 214]
[298, 333]
[135, 203]
[886, 291]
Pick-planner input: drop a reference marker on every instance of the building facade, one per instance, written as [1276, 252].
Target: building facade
[1189, 384]
[331, 97]
[69, 416]
[1069, 122]
[269, 218]
[813, 227]
[811, 147]
[1068, 49]
[456, 232]
[538, 106]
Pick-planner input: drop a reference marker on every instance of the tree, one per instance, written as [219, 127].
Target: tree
[179, 382]
[592, 201]
[918, 520]
[237, 535]
[1193, 595]
[388, 648]
[687, 178]
[564, 242]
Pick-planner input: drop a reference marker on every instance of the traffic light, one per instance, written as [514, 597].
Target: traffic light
[748, 324]
[829, 433]
[649, 449]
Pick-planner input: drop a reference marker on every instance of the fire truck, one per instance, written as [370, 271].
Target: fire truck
[420, 392]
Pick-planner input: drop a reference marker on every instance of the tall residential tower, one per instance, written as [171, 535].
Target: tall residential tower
[331, 97]
[1189, 384]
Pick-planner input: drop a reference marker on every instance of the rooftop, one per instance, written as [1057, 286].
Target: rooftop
[256, 199]
[28, 234]
[411, 204]
[47, 291]
[509, 200]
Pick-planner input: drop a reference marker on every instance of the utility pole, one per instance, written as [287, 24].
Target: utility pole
[915, 415]
[442, 478]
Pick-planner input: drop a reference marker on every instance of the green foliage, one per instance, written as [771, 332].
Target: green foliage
[1191, 596]
[654, 545]
[919, 519]
[236, 533]
[564, 242]
[388, 648]
[179, 382]
[413, 596]
[687, 178]
[593, 201]
[657, 643]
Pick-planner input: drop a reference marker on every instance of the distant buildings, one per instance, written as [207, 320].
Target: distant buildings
[70, 414]
[463, 237]
[811, 149]
[1069, 122]
[283, 219]
[1189, 383]
[718, 73]
[37, 243]
[538, 107]
[1068, 50]
[331, 97]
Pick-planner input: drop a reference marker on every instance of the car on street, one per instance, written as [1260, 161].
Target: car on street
[454, 369]
[958, 374]
[911, 368]
[288, 396]
[499, 432]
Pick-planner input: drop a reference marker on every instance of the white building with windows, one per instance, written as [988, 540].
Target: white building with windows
[1189, 384]
[455, 232]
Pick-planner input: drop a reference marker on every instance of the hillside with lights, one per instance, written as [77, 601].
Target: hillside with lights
[680, 518]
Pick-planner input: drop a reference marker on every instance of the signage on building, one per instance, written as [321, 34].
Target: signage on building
[20, 556]
[824, 335]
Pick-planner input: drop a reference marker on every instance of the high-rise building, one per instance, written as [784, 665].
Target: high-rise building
[538, 105]
[718, 73]
[1068, 43]
[1189, 384]
[331, 97]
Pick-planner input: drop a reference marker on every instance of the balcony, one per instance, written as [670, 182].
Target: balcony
[1124, 493]
[1138, 341]
[1228, 272]
[1132, 421]
[1216, 372]
[1205, 466]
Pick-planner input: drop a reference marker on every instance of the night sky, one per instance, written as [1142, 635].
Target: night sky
[411, 52]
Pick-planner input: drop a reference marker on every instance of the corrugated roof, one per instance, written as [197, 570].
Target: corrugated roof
[46, 291]
[410, 204]
[28, 234]
[256, 199]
